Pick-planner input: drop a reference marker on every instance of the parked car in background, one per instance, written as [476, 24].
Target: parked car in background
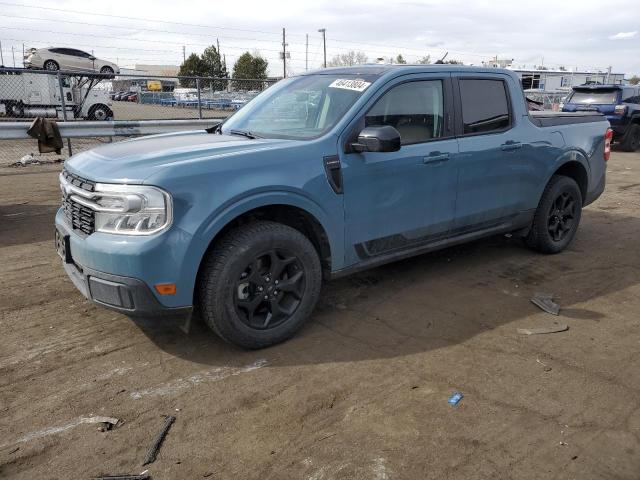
[619, 103]
[322, 175]
[54, 59]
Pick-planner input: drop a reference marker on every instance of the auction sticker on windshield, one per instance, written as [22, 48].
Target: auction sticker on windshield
[350, 84]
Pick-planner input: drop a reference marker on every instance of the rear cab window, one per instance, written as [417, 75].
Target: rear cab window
[594, 96]
[484, 105]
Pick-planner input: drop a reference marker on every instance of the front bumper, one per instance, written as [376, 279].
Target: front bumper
[126, 294]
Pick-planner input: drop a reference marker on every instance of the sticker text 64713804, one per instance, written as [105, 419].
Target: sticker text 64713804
[350, 84]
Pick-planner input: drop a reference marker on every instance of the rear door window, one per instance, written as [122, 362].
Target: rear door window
[485, 106]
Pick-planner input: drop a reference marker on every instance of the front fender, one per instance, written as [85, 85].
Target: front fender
[231, 210]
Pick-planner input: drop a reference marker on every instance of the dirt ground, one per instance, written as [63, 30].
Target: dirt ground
[142, 111]
[361, 392]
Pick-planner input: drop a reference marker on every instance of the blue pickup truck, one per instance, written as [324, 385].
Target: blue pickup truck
[619, 103]
[321, 175]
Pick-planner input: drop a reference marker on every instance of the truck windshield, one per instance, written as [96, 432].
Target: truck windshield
[594, 96]
[300, 108]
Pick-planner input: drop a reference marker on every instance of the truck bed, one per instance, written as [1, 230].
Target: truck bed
[550, 119]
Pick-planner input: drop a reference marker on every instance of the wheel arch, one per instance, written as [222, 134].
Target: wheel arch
[573, 164]
[307, 220]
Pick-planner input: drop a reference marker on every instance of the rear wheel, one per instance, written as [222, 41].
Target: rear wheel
[631, 140]
[557, 217]
[260, 284]
[106, 70]
[51, 65]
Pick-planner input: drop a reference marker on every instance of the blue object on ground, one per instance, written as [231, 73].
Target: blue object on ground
[455, 398]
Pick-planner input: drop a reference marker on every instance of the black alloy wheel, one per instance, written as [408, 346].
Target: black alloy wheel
[270, 289]
[561, 216]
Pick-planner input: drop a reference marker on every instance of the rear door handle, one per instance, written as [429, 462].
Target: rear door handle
[435, 157]
[511, 145]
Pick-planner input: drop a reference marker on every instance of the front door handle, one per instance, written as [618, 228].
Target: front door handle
[511, 145]
[435, 157]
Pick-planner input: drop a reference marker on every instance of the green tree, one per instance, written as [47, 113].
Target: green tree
[252, 67]
[193, 66]
[635, 80]
[214, 67]
[400, 59]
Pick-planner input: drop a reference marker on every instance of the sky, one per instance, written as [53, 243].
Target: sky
[585, 35]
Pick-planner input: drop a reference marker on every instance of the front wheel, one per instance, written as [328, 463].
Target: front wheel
[260, 284]
[557, 217]
[106, 70]
[100, 112]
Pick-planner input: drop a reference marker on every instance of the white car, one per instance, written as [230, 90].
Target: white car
[54, 58]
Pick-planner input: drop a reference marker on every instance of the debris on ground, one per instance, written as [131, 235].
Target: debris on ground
[35, 159]
[54, 430]
[455, 398]
[545, 302]
[545, 367]
[155, 447]
[142, 476]
[555, 328]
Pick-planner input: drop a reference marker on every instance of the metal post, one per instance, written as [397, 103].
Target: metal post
[1, 55]
[306, 55]
[323, 31]
[14, 56]
[64, 109]
[199, 102]
[284, 55]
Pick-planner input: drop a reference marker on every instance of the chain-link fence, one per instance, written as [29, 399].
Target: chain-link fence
[26, 94]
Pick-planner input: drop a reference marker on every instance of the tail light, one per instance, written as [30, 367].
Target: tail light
[608, 137]
[620, 110]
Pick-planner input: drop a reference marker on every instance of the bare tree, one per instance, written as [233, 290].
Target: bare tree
[424, 60]
[348, 59]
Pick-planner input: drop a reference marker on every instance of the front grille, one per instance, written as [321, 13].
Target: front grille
[80, 217]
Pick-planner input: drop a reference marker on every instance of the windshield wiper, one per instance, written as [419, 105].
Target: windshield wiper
[244, 133]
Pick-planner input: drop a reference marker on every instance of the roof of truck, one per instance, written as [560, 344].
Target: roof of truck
[381, 69]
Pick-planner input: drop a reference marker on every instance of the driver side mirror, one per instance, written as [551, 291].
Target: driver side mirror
[377, 139]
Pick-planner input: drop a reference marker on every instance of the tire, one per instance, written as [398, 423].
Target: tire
[557, 217]
[51, 65]
[99, 112]
[106, 70]
[631, 139]
[249, 264]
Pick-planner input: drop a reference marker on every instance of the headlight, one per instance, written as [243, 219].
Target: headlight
[131, 209]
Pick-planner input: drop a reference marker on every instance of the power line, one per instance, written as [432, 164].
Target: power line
[124, 17]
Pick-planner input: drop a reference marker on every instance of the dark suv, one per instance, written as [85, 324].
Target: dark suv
[620, 104]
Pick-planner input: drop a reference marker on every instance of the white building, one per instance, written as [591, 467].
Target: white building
[555, 80]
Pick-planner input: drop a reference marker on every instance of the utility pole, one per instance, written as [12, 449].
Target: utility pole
[323, 31]
[1, 55]
[184, 54]
[306, 55]
[14, 57]
[284, 54]
[608, 75]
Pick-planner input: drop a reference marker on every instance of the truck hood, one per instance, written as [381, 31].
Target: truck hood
[132, 161]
